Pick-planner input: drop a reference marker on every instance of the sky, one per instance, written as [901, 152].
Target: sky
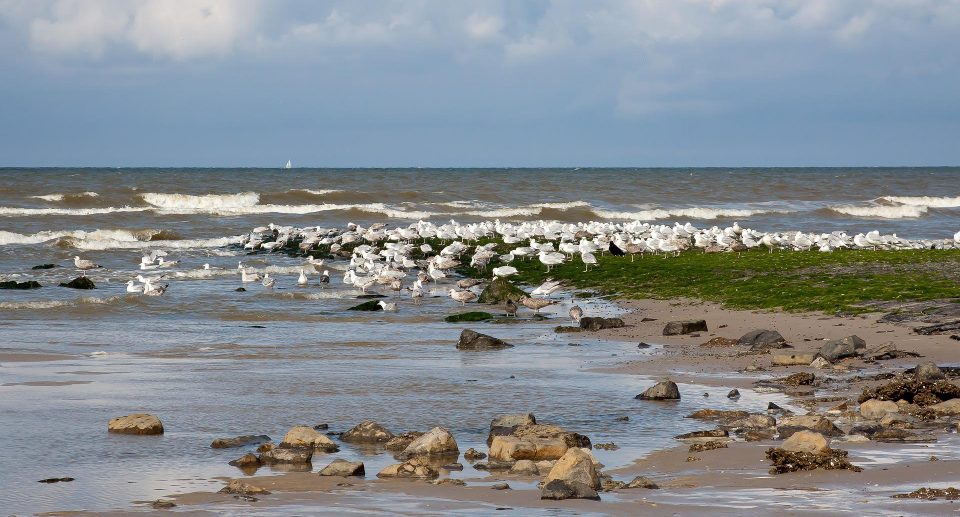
[440, 83]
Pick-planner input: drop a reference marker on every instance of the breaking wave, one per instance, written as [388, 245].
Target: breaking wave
[211, 202]
[691, 213]
[114, 239]
[925, 201]
[61, 197]
[883, 212]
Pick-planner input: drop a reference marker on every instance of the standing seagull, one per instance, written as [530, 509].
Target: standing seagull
[576, 313]
[511, 308]
[588, 260]
[388, 306]
[462, 296]
[84, 265]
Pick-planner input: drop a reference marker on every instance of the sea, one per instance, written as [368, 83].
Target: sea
[214, 362]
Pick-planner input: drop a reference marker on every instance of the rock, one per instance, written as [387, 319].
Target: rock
[820, 363]
[758, 435]
[949, 493]
[928, 371]
[302, 436]
[505, 425]
[594, 324]
[643, 482]
[708, 446]
[235, 486]
[139, 423]
[13, 284]
[264, 447]
[664, 390]
[44, 266]
[719, 342]
[449, 481]
[470, 340]
[707, 435]
[81, 282]
[535, 442]
[733, 394]
[791, 424]
[452, 466]
[909, 389]
[524, 468]
[676, 328]
[239, 441]
[609, 446]
[247, 460]
[886, 352]
[435, 442]
[401, 441]
[500, 486]
[842, 348]
[754, 421]
[367, 431]
[789, 461]
[762, 340]
[409, 469]
[718, 414]
[494, 465]
[874, 409]
[343, 468]
[798, 379]
[499, 291]
[161, 504]
[950, 407]
[287, 456]
[469, 317]
[792, 359]
[573, 477]
[369, 306]
[806, 441]
[473, 455]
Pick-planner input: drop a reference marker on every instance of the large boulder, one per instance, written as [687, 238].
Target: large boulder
[762, 339]
[594, 323]
[664, 390]
[842, 348]
[435, 442]
[470, 340]
[504, 425]
[138, 423]
[302, 436]
[676, 328]
[499, 291]
[928, 371]
[81, 282]
[536, 442]
[13, 284]
[367, 431]
[343, 468]
[806, 441]
[874, 409]
[574, 476]
[791, 424]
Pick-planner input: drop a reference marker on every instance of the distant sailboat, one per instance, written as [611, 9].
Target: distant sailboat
[288, 165]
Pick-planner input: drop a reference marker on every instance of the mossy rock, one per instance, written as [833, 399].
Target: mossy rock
[499, 291]
[468, 316]
[372, 305]
[562, 329]
[533, 317]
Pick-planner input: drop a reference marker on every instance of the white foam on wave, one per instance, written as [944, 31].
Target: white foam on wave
[55, 304]
[202, 202]
[21, 212]
[691, 213]
[505, 212]
[316, 192]
[562, 205]
[883, 212]
[61, 197]
[926, 201]
[181, 244]
[113, 239]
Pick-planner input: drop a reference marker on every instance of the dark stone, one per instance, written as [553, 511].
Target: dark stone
[642, 346]
[842, 348]
[247, 460]
[401, 441]
[81, 282]
[676, 328]
[470, 340]
[371, 296]
[499, 291]
[560, 489]
[797, 379]
[160, 504]
[788, 461]
[241, 289]
[734, 394]
[931, 494]
[643, 482]
[594, 324]
[469, 316]
[939, 328]
[708, 433]
[473, 455]
[13, 284]
[367, 431]
[928, 371]
[372, 305]
[912, 390]
[762, 340]
[500, 486]
[44, 266]
[664, 390]
[239, 441]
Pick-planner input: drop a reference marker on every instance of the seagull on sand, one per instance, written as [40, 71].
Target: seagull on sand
[535, 303]
[84, 265]
[462, 296]
[576, 313]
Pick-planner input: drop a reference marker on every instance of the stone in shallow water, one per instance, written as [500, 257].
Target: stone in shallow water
[664, 390]
[239, 441]
[139, 423]
[81, 282]
[343, 468]
[471, 340]
[367, 431]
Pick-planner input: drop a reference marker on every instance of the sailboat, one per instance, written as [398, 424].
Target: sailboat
[288, 165]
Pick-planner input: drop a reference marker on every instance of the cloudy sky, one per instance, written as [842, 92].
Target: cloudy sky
[479, 83]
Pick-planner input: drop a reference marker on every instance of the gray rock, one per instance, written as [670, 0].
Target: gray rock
[664, 390]
[842, 348]
[592, 323]
[239, 441]
[762, 339]
[343, 468]
[283, 455]
[81, 282]
[470, 340]
[367, 431]
[928, 371]
[560, 489]
[676, 328]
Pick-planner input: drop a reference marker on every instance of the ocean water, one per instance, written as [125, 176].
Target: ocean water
[214, 362]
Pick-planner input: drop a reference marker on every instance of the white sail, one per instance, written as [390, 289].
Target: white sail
[289, 165]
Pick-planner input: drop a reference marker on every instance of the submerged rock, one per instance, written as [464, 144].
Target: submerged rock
[235, 486]
[81, 282]
[139, 423]
[469, 316]
[409, 469]
[239, 441]
[676, 328]
[367, 431]
[246, 461]
[664, 390]
[401, 441]
[931, 494]
[718, 414]
[371, 305]
[13, 284]
[473, 455]
[44, 266]
[595, 323]
[470, 340]
[287, 456]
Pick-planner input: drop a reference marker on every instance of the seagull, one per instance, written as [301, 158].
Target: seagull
[388, 306]
[546, 289]
[325, 278]
[249, 277]
[504, 271]
[511, 308]
[550, 259]
[162, 263]
[416, 292]
[84, 264]
[132, 287]
[152, 290]
[467, 283]
[535, 303]
[462, 296]
[589, 259]
[576, 313]
[268, 282]
[303, 280]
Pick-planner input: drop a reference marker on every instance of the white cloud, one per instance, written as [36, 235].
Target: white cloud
[483, 27]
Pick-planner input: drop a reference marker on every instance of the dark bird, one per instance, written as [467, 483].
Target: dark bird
[615, 250]
[511, 308]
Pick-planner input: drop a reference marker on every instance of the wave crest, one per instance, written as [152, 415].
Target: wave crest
[883, 212]
[203, 202]
[925, 201]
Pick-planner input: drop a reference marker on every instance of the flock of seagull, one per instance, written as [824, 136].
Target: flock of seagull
[383, 256]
